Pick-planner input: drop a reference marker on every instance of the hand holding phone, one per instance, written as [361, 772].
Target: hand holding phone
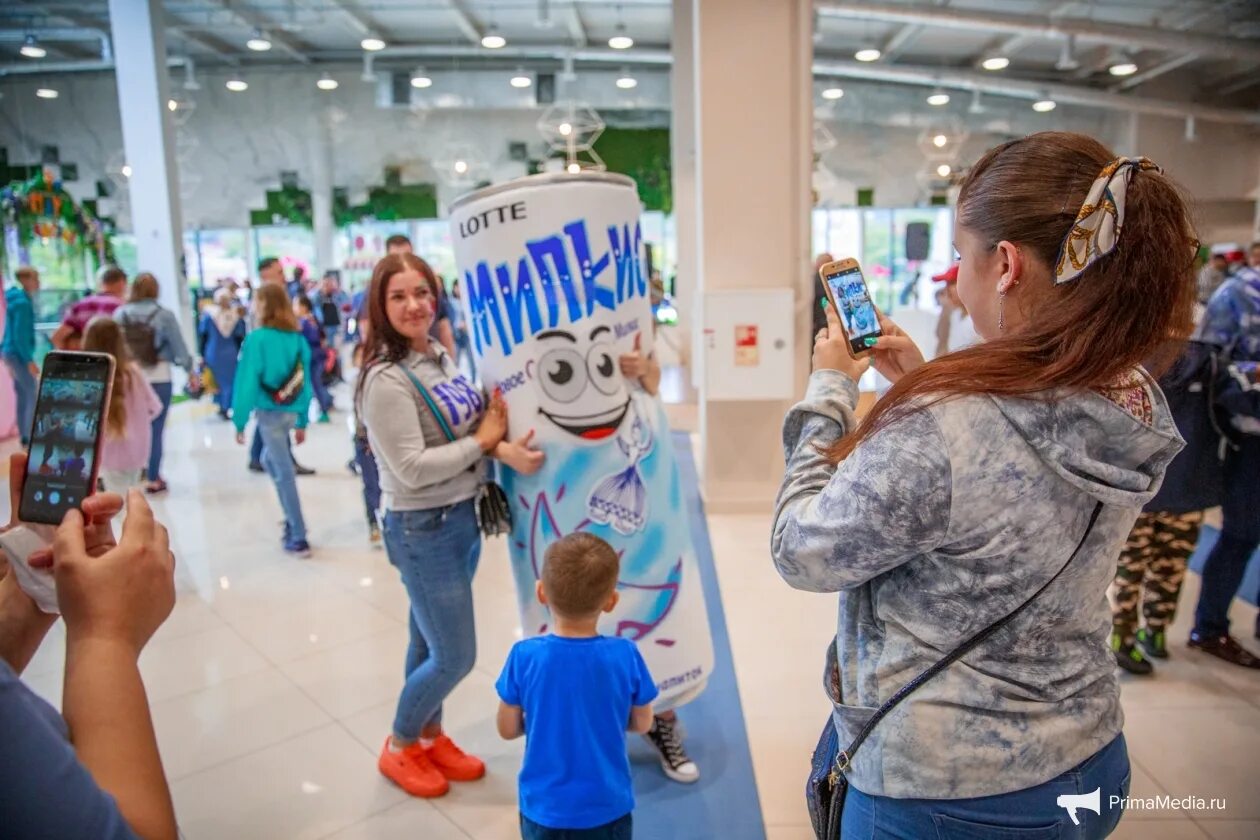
[850, 299]
[831, 350]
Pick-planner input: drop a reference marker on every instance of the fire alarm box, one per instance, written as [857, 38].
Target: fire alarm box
[747, 342]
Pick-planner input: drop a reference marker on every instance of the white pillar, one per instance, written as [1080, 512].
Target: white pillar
[148, 141]
[322, 192]
[752, 193]
[683, 175]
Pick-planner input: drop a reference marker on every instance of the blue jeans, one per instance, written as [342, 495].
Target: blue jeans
[1031, 814]
[371, 478]
[436, 552]
[622, 829]
[1240, 536]
[25, 387]
[163, 391]
[273, 429]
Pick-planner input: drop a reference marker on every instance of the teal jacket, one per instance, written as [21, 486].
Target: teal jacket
[19, 330]
[267, 358]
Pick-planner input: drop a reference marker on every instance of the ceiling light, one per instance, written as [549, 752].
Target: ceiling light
[1122, 68]
[492, 40]
[521, 79]
[565, 129]
[461, 167]
[939, 141]
[997, 62]
[258, 42]
[574, 168]
[172, 105]
[627, 82]
[621, 41]
[47, 93]
[236, 85]
[833, 93]
[420, 79]
[938, 98]
[31, 48]
[867, 54]
[943, 170]
[1042, 106]
[372, 44]
[126, 171]
[326, 82]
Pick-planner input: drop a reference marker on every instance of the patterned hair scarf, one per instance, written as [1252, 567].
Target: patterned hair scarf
[1097, 227]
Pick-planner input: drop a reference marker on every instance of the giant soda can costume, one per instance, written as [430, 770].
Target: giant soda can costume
[554, 287]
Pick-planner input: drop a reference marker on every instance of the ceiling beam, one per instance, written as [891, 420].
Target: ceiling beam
[902, 38]
[364, 24]
[465, 21]
[1240, 82]
[285, 43]
[1144, 37]
[1157, 70]
[222, 49]
[577, 29]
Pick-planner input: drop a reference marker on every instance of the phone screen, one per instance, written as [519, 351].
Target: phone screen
[61, 464]
[857, 312]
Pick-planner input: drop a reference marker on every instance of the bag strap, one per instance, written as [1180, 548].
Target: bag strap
[428, 400]
[845, 758]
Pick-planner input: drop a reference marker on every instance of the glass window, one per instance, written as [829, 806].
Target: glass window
[217, 254]
[878, 257]
[432, 240]
[294, 245]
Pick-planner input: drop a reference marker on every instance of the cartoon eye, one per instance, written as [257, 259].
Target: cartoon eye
[563, 376]
[603, 369]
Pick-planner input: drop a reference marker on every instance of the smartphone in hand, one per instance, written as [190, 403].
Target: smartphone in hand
[847, 291]
[63, 461]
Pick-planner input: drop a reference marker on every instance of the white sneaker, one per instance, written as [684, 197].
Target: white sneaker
[667, 740]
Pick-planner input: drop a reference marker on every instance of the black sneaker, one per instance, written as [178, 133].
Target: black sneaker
[301, 470]
[1153, 643]
[664, 736]
[1130, 658]
[256, 466]
[1224, 647]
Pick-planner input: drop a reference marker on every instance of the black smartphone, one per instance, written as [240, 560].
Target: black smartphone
[64, 456]
[847, 290]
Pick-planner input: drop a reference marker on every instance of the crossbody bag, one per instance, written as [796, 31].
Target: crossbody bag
[827, 785]
[494, 516]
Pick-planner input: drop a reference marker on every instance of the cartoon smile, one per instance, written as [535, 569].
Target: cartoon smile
[590, 426]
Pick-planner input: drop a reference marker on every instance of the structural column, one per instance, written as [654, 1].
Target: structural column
[683, 175]
[148, 142]
[751, 115]
[321, 153]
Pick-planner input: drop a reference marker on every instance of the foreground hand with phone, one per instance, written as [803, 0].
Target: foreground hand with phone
[97, 772]
[894, 354]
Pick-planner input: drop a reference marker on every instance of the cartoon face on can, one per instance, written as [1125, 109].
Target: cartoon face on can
[579, 382]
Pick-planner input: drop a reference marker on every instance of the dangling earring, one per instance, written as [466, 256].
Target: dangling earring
[1002, 311]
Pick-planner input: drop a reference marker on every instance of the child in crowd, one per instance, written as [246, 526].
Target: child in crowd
[314, 335]
[129, 418]
[574, 693]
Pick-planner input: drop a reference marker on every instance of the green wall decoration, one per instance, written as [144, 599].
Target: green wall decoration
[287, 205]
[644, 155]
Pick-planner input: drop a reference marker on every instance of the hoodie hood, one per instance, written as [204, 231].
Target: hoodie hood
[1096, 445]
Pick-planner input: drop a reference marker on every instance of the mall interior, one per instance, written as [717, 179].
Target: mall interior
[674, 173]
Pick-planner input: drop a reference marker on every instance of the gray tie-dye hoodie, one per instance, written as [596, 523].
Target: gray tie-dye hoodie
[941, 523]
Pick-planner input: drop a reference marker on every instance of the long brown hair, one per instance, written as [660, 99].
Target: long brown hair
[1085, 333]
[143, 287]
[274, 309]
[381, 342]
[104, 335]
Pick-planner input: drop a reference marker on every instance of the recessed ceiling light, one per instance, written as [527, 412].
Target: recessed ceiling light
[943, 170]
[236, 85]
[1042, 106]
[1123, 68]
[939, 141]
[47, 93]
[372, 44]
[833, 93]
[939, 98]
[996, 62]
[326, 82]
[31, 48]
[627, 82]
[259, 42]
[867, 54]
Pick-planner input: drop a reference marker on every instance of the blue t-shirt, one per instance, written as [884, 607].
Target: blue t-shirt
[576, 695]
[44, 790]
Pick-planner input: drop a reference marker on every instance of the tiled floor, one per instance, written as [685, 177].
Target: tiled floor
[274, 682]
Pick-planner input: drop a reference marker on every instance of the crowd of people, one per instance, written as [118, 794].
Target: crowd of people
[982, 507]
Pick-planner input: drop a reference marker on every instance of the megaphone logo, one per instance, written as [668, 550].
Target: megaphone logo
[1071, 801]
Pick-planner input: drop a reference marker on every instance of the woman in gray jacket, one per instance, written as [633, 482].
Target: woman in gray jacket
[969, 485]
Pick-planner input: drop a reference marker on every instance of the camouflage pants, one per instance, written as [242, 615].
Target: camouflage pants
[1151, 569]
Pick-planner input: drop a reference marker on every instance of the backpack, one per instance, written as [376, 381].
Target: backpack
[141, 338]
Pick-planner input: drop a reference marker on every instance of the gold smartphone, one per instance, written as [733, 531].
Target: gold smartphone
[847, 291]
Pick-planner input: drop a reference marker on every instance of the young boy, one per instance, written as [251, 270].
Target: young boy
[574, 693]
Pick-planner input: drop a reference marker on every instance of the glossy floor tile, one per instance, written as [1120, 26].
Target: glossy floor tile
[273, 683]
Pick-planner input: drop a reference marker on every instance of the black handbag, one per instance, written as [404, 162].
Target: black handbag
[494, 515]
[827, 785]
